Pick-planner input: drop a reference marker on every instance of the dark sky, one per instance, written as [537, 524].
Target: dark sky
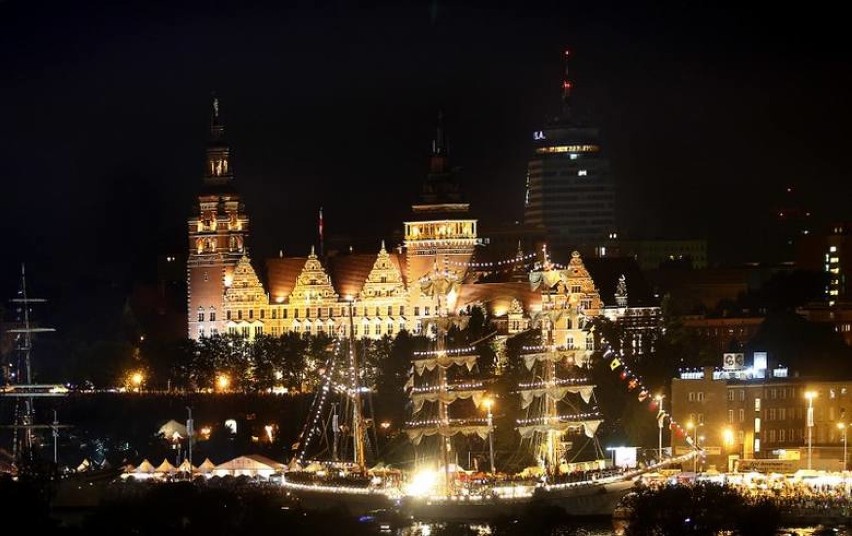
[707, 113]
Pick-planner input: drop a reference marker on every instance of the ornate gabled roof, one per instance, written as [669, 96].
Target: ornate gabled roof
[575, 273]
[245, 288]
[385, 279]
[313, 285]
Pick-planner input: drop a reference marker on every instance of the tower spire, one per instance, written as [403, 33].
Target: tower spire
[438, 162]
[218, 171]
[217, 129]
[567, 85]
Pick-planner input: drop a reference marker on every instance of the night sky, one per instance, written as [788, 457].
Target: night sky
[707, 114]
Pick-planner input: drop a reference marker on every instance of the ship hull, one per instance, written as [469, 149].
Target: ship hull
[320, 498]
[592, 501]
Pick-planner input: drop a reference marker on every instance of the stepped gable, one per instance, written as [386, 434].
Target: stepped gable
[245, 289]
[384, 279]
[605, 272]
[282, 273]
[313, 284]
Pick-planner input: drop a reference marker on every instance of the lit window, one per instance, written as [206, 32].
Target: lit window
[573, 156]
[582, 173]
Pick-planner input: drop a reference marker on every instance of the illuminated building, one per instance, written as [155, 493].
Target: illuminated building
[569, 191]
[385, 291]
[765, 408]
[217, 234]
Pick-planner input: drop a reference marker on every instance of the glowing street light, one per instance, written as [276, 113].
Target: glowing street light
[223, 382]
[488, 403]
[810, 395]
[842, 427]
[728, 440]
[136, 379]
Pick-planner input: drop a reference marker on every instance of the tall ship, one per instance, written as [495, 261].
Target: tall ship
[558, 422]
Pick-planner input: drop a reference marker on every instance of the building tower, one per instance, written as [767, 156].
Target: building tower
[441, 235]
[217, 234]
[569, 192]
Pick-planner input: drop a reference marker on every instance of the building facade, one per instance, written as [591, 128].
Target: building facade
[748, 417]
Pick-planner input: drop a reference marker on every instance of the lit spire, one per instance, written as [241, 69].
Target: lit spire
[567, 85]
[217, 129]
[438, 163]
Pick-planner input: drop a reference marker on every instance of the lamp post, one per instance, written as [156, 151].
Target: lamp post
[488, 403]
[660, 419]
[810, 395]
[692, 426]
[842, 427]
[189, 433]
[728, 439]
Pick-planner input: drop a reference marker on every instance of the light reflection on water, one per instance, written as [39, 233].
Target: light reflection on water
[443, 529]
[577, 529]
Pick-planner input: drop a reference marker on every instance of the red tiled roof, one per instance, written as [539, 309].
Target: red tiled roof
[282, 273]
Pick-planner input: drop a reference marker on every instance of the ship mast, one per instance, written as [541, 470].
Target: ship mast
[23, 388]
[567, 296]
[438, 390]
[358, 425]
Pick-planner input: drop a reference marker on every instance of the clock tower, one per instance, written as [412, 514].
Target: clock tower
[217, 234]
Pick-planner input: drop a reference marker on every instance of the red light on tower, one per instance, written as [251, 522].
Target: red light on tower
[566, 84]
[567, 52]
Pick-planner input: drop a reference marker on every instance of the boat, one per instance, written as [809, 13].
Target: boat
[337, 476]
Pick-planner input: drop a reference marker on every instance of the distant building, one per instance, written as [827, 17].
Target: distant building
[830, 253]
[745, 415]
[570, 193]
[723, 334]
[651, 254]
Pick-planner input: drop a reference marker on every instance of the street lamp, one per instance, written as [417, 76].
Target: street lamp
[691, 426]
[810, 395]
[842, 427]
[190, 431]
[488, 403]
[660, 419]
[728, 439]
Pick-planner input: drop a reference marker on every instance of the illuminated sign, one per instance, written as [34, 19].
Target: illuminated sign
[538, 135]
[568, 149]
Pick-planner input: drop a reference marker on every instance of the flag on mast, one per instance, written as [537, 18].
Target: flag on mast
[320, 233]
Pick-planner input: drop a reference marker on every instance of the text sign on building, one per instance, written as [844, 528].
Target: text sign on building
[733, 361]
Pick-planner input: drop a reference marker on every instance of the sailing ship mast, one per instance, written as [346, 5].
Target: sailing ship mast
[23, 389]
[432, 391]
[557, 366]
[358, 426]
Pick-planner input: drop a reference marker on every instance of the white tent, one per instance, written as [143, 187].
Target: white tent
[144, 471]
[172, 428]
[252, 465]
[165, 468]
[186, 467]
[206, 466]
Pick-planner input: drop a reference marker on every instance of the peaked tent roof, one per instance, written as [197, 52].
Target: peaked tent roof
[186, 467]
[165, 467]
[206, 466]
[145, 467]
[168, 430]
